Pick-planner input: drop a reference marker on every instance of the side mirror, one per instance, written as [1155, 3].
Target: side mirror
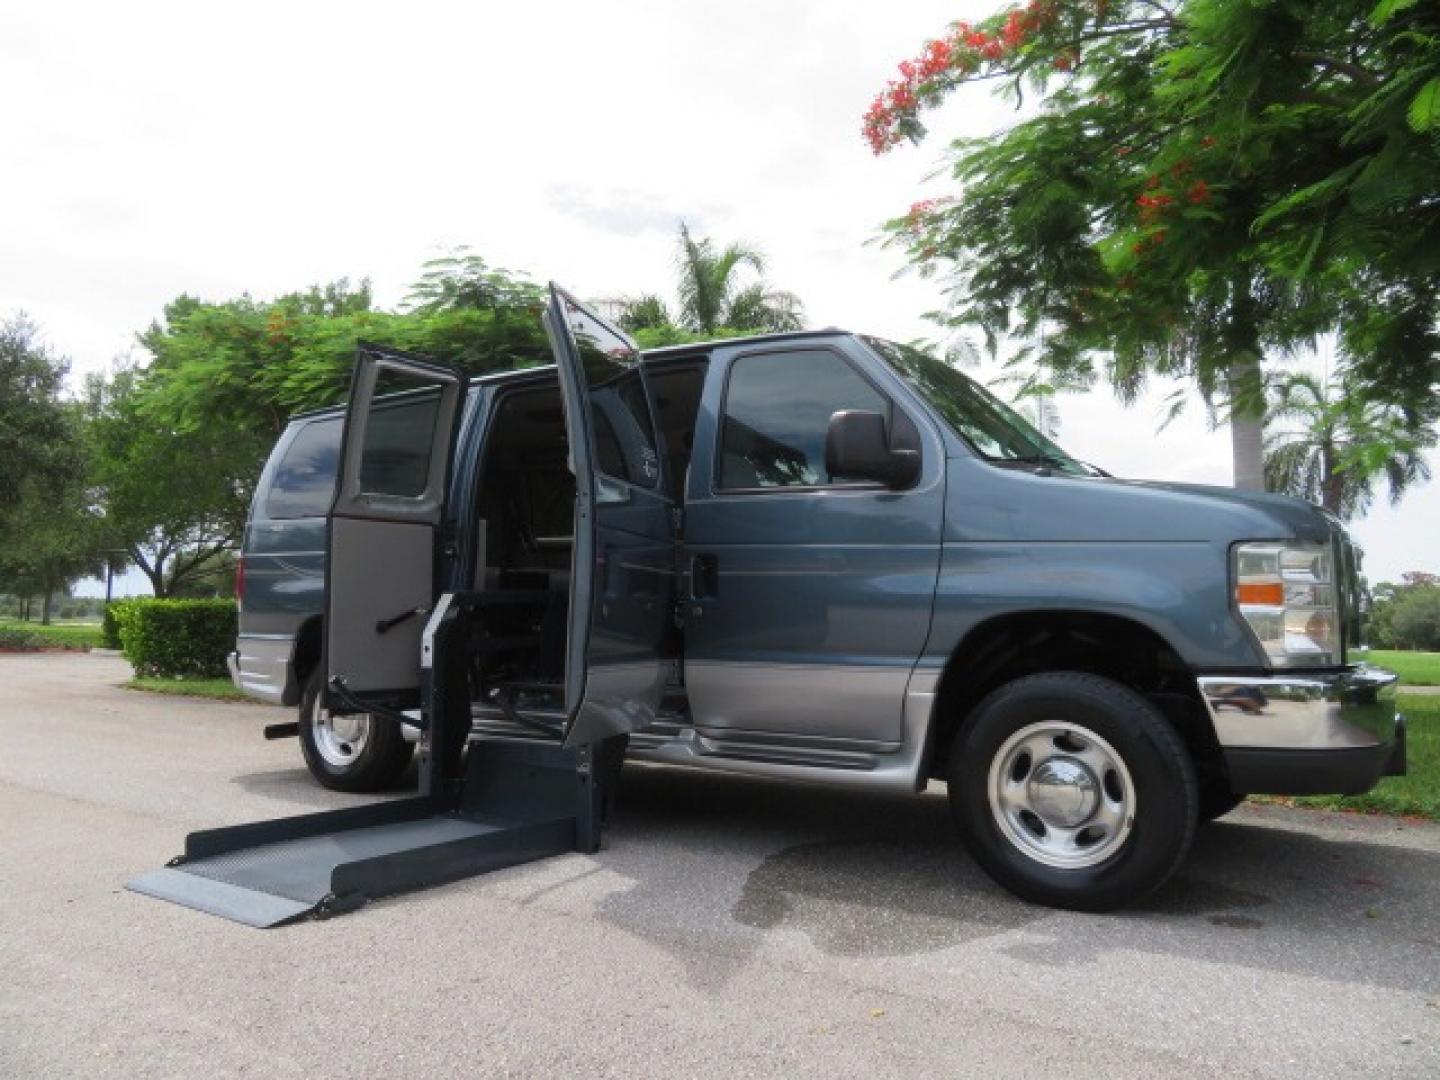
[857, 448]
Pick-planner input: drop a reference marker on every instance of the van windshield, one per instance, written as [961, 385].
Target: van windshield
[996, 431]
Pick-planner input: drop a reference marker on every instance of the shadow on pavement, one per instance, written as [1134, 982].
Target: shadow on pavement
[866, 875]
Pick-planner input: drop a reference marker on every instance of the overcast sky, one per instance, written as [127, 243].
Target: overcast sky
[153, 149]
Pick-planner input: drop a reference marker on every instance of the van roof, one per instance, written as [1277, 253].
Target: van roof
[665, 354]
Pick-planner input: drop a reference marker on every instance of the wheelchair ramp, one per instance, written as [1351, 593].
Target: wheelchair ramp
[518, 805]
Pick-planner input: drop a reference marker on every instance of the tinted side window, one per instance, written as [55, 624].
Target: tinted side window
[399, 438]
[304, 481]
[625, 443]
[777, 411]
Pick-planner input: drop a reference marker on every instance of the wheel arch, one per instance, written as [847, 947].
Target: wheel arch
[1010, 646]
[309, 649]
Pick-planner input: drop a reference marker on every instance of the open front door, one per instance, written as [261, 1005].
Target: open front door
[622, 598]
[384, 524]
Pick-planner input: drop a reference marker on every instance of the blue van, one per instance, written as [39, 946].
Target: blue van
[814, 556]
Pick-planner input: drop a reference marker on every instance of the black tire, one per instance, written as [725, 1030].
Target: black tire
[1217, 800]
[375, 767]
[1154, 818]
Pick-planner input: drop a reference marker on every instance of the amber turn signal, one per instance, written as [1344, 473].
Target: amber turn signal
[1260, 593]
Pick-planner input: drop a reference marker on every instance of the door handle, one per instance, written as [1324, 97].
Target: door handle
[704, 576]
[384, 626]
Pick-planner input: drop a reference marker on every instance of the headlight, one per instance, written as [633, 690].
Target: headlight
[1286, 592]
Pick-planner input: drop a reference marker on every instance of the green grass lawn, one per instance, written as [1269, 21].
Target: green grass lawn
[69, 635]
[1418, 792]
[1415, 668]
[215, 689]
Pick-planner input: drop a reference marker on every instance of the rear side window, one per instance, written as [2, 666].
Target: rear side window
[399, 436]
[777, 413]
[304, 481]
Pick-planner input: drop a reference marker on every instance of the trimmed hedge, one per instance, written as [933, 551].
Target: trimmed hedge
[13, 638]
[176, 638]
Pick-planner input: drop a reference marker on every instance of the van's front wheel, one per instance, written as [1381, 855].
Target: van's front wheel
[1073, 790]
[358, 752]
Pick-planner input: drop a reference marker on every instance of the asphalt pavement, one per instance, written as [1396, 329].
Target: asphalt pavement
[729, 928]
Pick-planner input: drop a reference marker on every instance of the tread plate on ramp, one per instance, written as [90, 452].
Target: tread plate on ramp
[275, 883]
[219, 898]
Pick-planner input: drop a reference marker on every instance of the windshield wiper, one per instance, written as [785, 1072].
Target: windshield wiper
[1033, 459]
[1051, 461]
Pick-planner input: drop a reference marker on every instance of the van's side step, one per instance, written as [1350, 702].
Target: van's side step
[519, 802]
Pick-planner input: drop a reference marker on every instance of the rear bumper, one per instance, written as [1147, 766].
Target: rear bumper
[1307, 734]
[261, 666]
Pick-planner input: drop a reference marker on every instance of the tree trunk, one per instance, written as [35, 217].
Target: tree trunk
[1332, 482]
[45, 609]
[154, 571]
[1247, 423]
[157, 583]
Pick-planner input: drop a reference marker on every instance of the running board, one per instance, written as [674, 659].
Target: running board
[520, 802]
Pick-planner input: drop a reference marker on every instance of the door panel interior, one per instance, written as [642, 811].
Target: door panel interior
[371, 649]
[396, 453]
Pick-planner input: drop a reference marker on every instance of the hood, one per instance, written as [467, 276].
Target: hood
[993, 504]
[1308, 521]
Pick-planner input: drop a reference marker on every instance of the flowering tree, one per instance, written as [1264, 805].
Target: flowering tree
[1205, 183]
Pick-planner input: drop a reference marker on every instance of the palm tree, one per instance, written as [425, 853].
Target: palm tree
[713, 296]
[1339, 444]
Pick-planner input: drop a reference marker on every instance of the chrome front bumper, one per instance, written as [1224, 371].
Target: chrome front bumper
[1307, 733]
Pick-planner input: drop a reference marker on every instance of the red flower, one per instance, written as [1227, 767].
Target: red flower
[936, 59]
[1198, 192]
[1015, 27]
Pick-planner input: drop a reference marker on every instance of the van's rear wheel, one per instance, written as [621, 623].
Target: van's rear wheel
[1072, 790]
[349, 753]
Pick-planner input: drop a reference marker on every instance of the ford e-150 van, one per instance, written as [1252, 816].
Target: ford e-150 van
[815, 556]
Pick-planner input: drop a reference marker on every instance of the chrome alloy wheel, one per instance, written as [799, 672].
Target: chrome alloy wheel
[1062, 795]
[339, 739]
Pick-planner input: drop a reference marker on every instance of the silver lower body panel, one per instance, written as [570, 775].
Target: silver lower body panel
[261, 666]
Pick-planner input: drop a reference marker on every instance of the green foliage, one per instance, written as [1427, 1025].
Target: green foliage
[714, 300]
[174, 497]
[33, 424]
[22, 638]
[110, 626]
[1415, 621]
[658, 337]
[50, 535]
[244, 366]
[1338, 443]
[1414, 668]
[1204, 184]
[55, 636]
[1407, 615]
[176, 638]
[213, 689]
[1417, 793]
[646, 312]
[460, 280]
